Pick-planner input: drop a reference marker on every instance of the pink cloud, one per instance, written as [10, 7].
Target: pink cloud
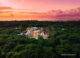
[52, 15]
[58, 15]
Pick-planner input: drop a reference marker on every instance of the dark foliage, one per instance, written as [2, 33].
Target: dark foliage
[64, 39]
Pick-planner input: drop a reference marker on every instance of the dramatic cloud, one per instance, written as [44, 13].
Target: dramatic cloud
[58, 15]
[60, 10]
[53, 15]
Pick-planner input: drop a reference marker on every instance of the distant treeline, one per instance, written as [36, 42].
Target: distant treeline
[37, 23]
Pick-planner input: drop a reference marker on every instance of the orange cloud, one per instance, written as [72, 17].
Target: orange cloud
[53, 15]
[4, 8]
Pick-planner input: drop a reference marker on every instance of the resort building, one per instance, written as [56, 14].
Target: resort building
[35, 32]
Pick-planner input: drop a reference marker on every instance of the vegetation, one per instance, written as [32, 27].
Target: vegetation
[64, 39]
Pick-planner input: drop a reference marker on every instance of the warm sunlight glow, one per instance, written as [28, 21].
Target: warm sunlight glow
[50, 10]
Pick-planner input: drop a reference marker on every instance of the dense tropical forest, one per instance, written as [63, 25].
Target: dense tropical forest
[64, 38]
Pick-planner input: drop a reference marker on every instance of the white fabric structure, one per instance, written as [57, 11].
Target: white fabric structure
[35, 32]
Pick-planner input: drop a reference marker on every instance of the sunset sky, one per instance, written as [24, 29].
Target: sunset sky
[50, 10]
